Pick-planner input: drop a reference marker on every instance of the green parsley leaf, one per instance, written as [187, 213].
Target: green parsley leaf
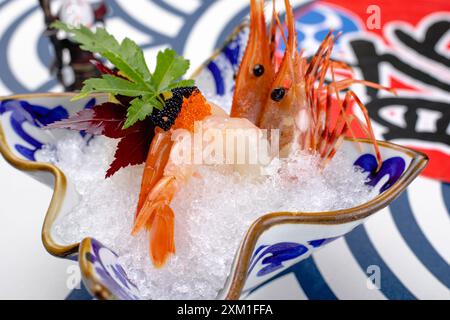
[140, 108]
[128, 57]
[111, 84]
[169, 67]
[181, 84]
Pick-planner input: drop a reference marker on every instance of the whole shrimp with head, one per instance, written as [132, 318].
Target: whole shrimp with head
[298, 102]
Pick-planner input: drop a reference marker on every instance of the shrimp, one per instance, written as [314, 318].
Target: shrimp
[256, 69]
[165, 172]
[299, 102]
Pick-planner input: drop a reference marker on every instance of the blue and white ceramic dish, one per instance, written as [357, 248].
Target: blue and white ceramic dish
[273, 243]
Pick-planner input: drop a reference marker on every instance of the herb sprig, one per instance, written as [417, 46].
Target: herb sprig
[147, 88]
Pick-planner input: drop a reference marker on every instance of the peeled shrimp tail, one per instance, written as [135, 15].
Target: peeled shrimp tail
[157, 158]
[158, 218]
[162, 236]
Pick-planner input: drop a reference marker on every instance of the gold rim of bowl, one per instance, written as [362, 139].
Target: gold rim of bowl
[239, 273]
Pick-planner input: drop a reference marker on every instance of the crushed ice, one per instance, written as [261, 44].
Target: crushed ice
[212, 213]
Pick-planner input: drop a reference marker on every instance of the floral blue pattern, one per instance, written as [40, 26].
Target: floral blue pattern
[109, 272]
[273, 256]
[38, 116]
[232, 53]
[393, 167]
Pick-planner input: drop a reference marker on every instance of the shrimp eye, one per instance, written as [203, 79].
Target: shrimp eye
[258, 70]
[277, 94]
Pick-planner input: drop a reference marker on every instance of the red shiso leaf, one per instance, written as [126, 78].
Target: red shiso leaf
[107, 119]
[104, 119]
[133, 148]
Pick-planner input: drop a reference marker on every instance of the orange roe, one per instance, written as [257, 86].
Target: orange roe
[194, 108]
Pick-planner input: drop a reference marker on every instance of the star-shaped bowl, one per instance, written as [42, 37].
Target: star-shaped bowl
[274, 242]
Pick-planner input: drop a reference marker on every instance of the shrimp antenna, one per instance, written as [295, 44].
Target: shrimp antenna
[280, 26]
[273, 31]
